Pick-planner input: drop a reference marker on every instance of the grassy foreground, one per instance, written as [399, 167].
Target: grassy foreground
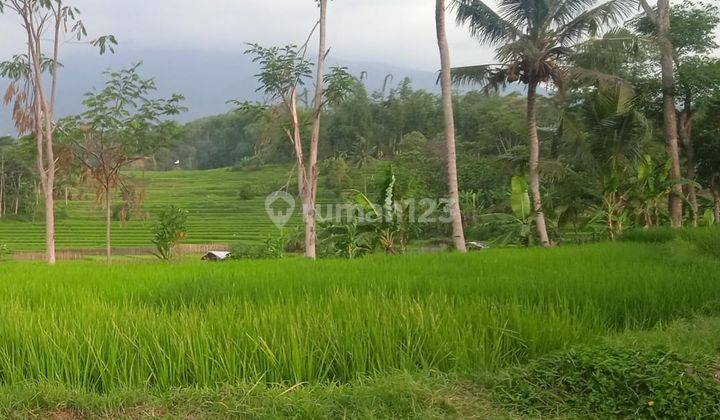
[390, 396]
[151, 326]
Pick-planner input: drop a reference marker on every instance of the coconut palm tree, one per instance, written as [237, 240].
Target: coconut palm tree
[446, 82]
[535, 42]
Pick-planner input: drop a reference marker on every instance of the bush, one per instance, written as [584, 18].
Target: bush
[4, 252]
[250, 163]
[248, 191]
[170, 228]
[240, 251]
[273, 248]
[615, 382]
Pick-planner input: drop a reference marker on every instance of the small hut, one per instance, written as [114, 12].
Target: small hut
[216, 256]
[477, 246]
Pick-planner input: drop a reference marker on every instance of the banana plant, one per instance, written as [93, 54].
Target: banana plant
[652, 185]
[518, 226]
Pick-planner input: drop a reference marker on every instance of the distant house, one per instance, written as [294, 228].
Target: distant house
[216, 256]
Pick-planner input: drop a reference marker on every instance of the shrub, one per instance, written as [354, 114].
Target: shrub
[249, 163]
[239, 251]
[170, 228]
[615, 382]
[272, 248]
[4, 251]
[248, 191]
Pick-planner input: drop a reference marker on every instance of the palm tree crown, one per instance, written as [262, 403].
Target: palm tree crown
[534, 38]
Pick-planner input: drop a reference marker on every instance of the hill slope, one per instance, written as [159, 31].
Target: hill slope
[218, 210]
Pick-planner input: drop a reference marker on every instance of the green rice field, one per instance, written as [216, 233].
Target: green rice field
[219, 213]
[149, 326]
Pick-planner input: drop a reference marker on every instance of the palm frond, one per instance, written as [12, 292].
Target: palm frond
[579, 76]
[484, 23]
[491, 77]
[528, 15]
[564, 11]
[609, 53]
[593, 20]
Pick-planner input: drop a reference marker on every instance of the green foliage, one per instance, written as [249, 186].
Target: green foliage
[347, 240]
[336, 173]
[520, 198]
[274, 247]
[4, 251]
[248, 191]
[692, 24]
[616, 382]
[170, 228]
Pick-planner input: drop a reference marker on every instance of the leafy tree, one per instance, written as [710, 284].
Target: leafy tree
[170, 228]
[43, 21]
[283, 71]
[697, 73]
[660, 18]
[535, 40]
[122, 124]
[707, 147]
[17, 179]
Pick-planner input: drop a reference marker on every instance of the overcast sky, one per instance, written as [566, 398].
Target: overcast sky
[397, 32]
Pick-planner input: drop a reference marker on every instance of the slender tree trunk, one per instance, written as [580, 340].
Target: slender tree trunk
[2, 185]
[669, 110]
[108, 224]
[457, 224]
[17, 194]
[50, 227]
[42, 124]
[313, 171]
[715, 187]
[685, 124]
[535, 166]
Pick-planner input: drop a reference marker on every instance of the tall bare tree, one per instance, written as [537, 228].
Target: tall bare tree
[283, 71]
[44, 22]
[446, 83]
[660, 17]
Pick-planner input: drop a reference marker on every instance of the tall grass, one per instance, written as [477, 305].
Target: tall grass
[200, 325]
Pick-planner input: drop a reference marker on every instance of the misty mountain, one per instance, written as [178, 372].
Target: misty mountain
[207, 79]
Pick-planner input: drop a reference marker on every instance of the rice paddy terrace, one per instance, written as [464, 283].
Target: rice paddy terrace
[225, 206]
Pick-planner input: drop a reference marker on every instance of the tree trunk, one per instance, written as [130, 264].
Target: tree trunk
[669, 110]
[685, 124]
[2, 185]
[535, 165]
[108, 224]
[310, 229]
[50, 227]
[313, 170]
[457, 224]
[715, 187]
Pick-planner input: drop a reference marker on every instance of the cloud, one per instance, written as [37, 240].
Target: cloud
[399, 32]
